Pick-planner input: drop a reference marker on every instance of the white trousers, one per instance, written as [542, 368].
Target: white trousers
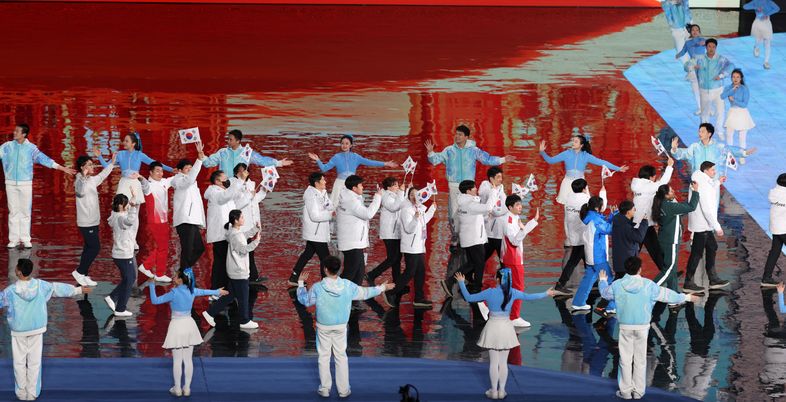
[453, 193]
[680, 35]
[710, 98]
[20, 206]
[633, 361]
[332, 340]
[27, 364]
[337, 186]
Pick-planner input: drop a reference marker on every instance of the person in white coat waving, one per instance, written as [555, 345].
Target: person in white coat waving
[247, 200]
[644, 188]
[513, 250]
[318, 210]
[777, 198]
[188, 212]
[220, 198]
[495, 220]
[389, 230]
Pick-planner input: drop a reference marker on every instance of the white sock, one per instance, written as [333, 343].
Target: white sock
[177, 366]
[743, 135]
[188, 362]
[767, 50]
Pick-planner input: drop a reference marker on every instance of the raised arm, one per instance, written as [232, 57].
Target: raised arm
[665, 295]
[207, 292]
[473, 297]
[365, 293]
[213, 160]
[486, 159]
[264, 161]
[65, 290]
[315, 211]
[156, 299]
[560, 157]
[306, 297]
[430, 212]
[408, 220]
[366, 213]
[600, 162]
[682, 208]
[324, 167]
[516, 294]
[666, 177]
[148, 160]
[369, 162]
[435, 158]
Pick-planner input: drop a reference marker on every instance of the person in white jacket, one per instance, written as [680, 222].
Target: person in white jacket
[88, 214]
[777, 199]
[247, 200]
[220, 196]
[495, 220]
[644, 188]
[156, 191]
[413, 220]
[124, 216]
[352, 221]
[703, 224]
[237, 263]
[389, 229]
[472, 234]
[188, 215]
[318, 210]
[513, 250]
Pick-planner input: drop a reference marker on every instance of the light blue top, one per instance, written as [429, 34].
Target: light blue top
[346, 163]
[763, 8]
[226, 159]
[25, 304]
[677, 15]
[131, 161]
[740, 94]
[576, 162]
[333, 298]
[597, 227]
[18, 160]
[709, 68]
[460, 163]
[180, 297]
[714, 152]
[781, 306]
[494, 298]
[694, 47]
[635, 297]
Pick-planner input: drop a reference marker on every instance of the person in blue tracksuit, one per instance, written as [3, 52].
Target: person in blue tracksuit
[333, 297]
[25, 306]
[678, 16]
[762, 26]
[596, 251]
[635, 296]
[693, 47]
[738, 119]
[711, 69]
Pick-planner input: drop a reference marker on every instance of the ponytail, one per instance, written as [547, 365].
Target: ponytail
[585, 144]
[594, 204]
[657, 203]
[503, 275]
[187, 276]
[234, 215]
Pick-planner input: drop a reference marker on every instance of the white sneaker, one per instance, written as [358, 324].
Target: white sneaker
[209, 318]
[123, 313]
[27, 244]
[521, 323]
[89, 281]
[249, 325]
[611, 311]
[697, 113]
[766, 67]
[622, 396]
[325, 393]
[340, 395]
[484, 311]
[491, 393]
[110, 303]
[756, 51]
[164, 279]
[186, 391]
[214, 298]
[79, 278]
[580, 308]
[145, 271]
[502, 394]
[175, 391]
[11, 244]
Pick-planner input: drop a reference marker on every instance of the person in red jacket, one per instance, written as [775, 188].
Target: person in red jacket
[513, 250]
[156, 191]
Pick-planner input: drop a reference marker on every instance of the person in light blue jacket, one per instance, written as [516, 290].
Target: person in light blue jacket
[762, 26]
[706, 149]
[739, 119]
[461, 159]
[694, 46]
[635, 296]
[596, 251]
[25, 304]
[18, 157]
[346, 164]
[711, 69]
[678, 16]
[333, 297]
[227, 158]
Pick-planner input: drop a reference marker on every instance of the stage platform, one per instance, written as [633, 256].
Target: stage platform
[296, 379]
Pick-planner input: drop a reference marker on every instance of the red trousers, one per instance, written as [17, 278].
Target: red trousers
[158, 254]
[517, 282]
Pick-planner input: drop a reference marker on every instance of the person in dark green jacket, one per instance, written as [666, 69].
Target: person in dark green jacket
[667, 211]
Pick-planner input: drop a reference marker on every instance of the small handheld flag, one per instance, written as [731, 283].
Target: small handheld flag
[731, 161]
[189, 136]
[658, 145]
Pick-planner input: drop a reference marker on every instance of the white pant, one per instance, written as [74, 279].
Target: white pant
[711, 98]
[633, 361]
[337, 186]
[332, 340]
[680, 35]
[27, 364]
[20, 205]
[453, 193]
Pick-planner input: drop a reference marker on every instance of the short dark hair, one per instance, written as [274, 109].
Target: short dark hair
[782, 180]
[118, 201]
[493, 171]
[313, 178]
[25, 266]
[215, 175]
[463, 129]
[154, 165]
[352, 181]
[710, 40]
[183, 163]
[465, 186]
[332, 264]
[237, 168]
[625, 206]
[81, 161]
[647, 172]
[236, 133]
[511, 200]
[389, 182]
[706, 165]
[578, 185]
[25, 128]
[709, 127]
[349, 137]
[633, 265]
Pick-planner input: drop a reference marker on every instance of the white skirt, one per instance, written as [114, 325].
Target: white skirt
[762, 29]
[182, 333]
[125, 185]
[739, 119]
[498, 334]
[337, 186]
[565, 189]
